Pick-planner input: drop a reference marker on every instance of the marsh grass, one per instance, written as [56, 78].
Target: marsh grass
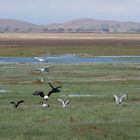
[25, 44]
[86, 118]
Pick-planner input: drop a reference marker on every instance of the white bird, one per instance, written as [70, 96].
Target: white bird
[64, 103]
[43, 69]
[44, 104]
[40, 59]
[120, 99]
[40, 80]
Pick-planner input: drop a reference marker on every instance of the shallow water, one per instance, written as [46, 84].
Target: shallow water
[69, 59]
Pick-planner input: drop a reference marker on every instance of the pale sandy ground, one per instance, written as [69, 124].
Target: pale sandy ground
[32, 36]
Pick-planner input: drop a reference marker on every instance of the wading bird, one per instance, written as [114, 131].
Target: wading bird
[64, 103]
[17, 104]
[120, 99]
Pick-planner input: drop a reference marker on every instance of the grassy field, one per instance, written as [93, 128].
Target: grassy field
[93, 116]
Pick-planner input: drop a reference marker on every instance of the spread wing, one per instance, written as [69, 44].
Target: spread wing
[41, 93]
[124, 97]
[19, 102]
[60, 100]
[115, 97]
[67, 102]
[51, 85]
[58, 87]
[13, 103]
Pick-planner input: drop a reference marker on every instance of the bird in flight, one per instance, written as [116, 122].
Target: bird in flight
[42, 94]
[40, 59]
[46, 69]
[119, 99]
[17, 104]
[54, 89]
[64, 103]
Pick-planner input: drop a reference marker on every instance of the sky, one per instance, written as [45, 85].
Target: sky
[58, 11]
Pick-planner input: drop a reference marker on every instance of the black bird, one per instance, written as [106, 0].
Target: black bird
[17, 104]
[46, 97]
[42, 95]
[54, 89]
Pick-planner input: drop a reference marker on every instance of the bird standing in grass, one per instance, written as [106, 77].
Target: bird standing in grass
[44, 104]
[17, 104]
[64, 103]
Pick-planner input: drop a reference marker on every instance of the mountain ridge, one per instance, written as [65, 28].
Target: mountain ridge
[77, 25]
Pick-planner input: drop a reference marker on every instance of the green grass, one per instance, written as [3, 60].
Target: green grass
[86, 118]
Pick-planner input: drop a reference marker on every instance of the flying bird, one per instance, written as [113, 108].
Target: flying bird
[46, 69]
[119, 99]
[42, 95]
[17, 104]
[40, 59]
[54, 89]
[64, 103]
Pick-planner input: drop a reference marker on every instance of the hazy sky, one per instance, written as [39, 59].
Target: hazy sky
[48, 11]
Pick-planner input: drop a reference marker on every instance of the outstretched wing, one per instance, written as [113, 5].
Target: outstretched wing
[58, 87]
[41, 93]
[115, 97]
[60, 100]
[51, 85]
[67, 102]
[124, 97]
[21, 101]
[13, 103]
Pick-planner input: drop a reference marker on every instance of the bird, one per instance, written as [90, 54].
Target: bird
[40, 59]
[17, 104]
[46, 69]
[54, 89]
[44, 104]
[42, 94]
[119, 99]
[40, 79]
[64, 103]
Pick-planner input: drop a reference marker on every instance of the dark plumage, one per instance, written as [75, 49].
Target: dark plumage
[17, 104]
[39, 92]
[45, 97]
[54, 89]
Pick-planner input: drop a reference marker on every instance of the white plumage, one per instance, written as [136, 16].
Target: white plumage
[43, 69]
[40, 59]
[120, 99]
[64, 103]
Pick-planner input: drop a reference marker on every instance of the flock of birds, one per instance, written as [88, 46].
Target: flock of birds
[117, 99]
[40, 93]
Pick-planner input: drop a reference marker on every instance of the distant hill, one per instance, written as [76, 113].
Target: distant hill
[78, 25]
[93, 25]
[12, 25]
